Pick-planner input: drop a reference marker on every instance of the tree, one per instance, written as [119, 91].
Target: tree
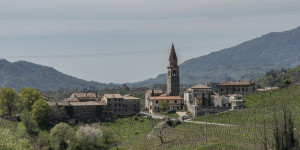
[60, 134]
[203, 100]
[158, 130]
[164, 105]
[284, 128]
[57, 114]
[10, 141]
[43, 141]
[28, 96]
[287, 82]
[29, 124]
[108, 136]
[209, 99]
[40, 111]
[8, 99]
[90, 137]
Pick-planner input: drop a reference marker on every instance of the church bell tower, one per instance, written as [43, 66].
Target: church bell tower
[173, 87]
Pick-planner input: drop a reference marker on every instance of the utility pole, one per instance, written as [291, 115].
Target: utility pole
[205, 127]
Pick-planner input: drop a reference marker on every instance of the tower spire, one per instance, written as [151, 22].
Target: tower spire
[173, 56]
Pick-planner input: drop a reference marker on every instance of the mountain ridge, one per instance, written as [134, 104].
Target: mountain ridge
[27, 74]
[249, 60]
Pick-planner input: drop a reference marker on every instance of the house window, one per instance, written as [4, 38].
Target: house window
[115, 99]
[109, 100]
[119, 109]
[156, 102]
[150, 107]
[175, 101]
[119, 99]
[116, 104]
[168, 101]
[125, 109]
[120, 104]
[108, 105]
[115, 110]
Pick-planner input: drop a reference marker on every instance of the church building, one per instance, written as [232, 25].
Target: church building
[154, 100]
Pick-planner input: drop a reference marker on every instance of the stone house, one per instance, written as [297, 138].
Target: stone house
[150, 93]
[174, 103]
[236, 101]
[195, 94]
[131, 105]
[221, 101]
[239, 87]
[86, 107]
[121, 105]
[90, 107]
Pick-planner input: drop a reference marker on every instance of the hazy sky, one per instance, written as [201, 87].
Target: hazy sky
[127, 41]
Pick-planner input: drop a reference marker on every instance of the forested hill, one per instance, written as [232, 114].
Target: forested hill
[280, 78]
[25, 74]
[247, 61]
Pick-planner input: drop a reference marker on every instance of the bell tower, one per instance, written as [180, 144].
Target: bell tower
[173, 87]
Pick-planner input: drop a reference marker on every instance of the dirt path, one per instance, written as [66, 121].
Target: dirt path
[210, 123]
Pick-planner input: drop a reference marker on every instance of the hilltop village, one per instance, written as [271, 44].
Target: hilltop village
[171, 117]
[198, 99]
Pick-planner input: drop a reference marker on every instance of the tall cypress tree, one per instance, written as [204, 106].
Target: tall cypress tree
[203, 100]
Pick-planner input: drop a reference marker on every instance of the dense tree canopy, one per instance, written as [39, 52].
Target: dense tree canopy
[9, 141]
[28, 96]
[8, 99]
[40, 111]
[60, 134]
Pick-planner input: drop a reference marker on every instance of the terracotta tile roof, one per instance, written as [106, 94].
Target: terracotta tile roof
[200, 86]
[237, 83]
[129, 97]
[189, 90]
[155, 91]
[88, 103]
[165, 98]
[71, 100]
[83, 95]
[112, 96]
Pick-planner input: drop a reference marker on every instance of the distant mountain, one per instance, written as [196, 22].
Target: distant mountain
[25, 74]
[247, 61]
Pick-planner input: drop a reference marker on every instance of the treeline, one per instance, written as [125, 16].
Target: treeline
[42, 125]
[280, 78]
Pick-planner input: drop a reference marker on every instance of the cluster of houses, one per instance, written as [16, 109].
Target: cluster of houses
[196, 99]
[91, 107]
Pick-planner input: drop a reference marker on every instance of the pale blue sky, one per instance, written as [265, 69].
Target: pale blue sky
[127, 41]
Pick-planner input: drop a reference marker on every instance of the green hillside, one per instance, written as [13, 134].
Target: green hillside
[280, 78]
[25, 74]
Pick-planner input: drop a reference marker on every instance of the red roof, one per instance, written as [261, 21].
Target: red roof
[165, 98]
[236, 83]
[200, 86]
